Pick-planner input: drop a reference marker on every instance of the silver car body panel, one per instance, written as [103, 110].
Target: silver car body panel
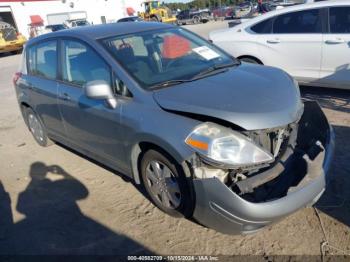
[252, 97]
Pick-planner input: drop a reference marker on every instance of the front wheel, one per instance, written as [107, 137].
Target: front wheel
[166, 184]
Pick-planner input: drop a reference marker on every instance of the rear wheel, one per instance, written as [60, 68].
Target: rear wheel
[37, 128]
[166, 184]
[154, 19]
[196, 20]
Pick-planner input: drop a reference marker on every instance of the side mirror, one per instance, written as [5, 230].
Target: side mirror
[100, 89]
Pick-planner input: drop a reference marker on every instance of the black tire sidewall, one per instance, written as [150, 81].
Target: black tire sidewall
[186, 206]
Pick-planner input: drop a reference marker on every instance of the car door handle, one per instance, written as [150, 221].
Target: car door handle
[64, 96]
[273, 41]
[335, 41]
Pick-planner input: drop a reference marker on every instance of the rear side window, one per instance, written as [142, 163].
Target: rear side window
[339, 20]
[82, 64]
[264, 27]
[301, 22]
[42, 60]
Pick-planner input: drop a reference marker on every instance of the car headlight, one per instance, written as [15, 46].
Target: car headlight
[225, 146]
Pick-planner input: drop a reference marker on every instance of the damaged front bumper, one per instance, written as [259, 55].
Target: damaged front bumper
[300, 183]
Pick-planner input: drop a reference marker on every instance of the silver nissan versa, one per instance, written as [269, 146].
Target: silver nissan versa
[230, 144]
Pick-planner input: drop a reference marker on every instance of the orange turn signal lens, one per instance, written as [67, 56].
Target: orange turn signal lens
[197, 144]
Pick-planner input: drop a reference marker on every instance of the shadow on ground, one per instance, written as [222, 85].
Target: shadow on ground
[336, 200]
[330, 98]
[7, 54]
[53, 222]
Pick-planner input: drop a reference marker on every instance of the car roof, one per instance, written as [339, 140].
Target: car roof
[95, 32]
[300, 7]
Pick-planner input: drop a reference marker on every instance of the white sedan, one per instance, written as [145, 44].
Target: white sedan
[309, 41]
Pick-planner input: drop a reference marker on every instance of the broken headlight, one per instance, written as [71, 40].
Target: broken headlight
[225, 146]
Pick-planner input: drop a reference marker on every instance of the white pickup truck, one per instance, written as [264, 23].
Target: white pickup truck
[70, 19]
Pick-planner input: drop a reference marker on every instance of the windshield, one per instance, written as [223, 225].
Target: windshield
[158, 56]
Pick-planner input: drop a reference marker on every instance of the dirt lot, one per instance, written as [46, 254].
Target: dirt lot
[86, 209]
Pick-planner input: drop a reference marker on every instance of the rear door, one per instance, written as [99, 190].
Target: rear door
[89, 123]
[295, 44]
[41, 80]
[336, 49]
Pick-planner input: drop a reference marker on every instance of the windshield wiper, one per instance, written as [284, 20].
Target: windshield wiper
[206, 72]
[214, 69]
[169, 83]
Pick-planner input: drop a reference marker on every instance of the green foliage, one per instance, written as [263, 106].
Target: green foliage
[201, 4]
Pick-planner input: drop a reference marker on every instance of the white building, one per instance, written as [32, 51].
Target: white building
[19, 12]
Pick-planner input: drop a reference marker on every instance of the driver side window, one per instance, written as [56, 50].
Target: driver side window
[82, 64]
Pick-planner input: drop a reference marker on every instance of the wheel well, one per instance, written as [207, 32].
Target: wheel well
[136, 156]
[24, 106]
[251, 57]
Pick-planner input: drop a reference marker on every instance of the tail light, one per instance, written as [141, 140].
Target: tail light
[16, 77]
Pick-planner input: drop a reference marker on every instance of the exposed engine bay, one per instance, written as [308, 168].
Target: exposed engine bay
[297, 148]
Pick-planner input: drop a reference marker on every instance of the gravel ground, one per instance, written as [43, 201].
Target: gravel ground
[84, 208]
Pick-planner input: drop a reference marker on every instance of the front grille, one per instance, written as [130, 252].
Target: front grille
[272, 140]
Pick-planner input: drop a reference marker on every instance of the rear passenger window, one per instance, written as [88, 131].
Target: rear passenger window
[82, 64]
[339, 20]
[300, 22]
[264, 27]
[42, 60]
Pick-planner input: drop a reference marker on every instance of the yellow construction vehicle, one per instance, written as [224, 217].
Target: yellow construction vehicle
[153, 11]
[10, 40]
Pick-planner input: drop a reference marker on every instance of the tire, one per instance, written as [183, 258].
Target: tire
[154, 19]
[177, 201]
[36, 128]
[250, 60]
[196, 20]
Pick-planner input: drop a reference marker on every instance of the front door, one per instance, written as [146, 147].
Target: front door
[335, 69]
[89, 124]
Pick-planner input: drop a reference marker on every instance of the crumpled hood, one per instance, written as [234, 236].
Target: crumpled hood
[252, 97]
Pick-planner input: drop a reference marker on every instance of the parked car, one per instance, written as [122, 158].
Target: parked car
[245, 9]
[193, 17]
[309, 41]
[222, 12]
[10, 39]
[230, 144]
[54, 28]
[130, 19]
